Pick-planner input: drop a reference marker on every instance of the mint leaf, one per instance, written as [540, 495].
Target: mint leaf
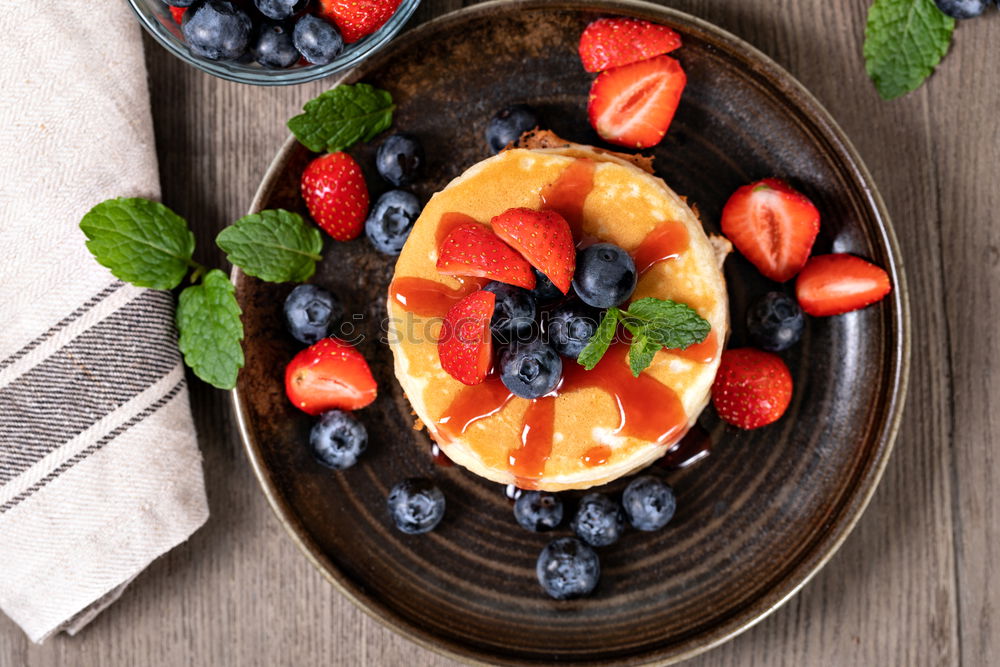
[904, 42]
[341, 117]
[600, 341]
[641, 353]
[208, 319]
[667, 323]
[274, 245]
[143, 242]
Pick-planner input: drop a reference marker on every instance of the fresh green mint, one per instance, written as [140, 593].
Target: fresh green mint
[145, 243]
[277, 246]
[208, 319]
[343, 116]
[654, 324]
[904, 41]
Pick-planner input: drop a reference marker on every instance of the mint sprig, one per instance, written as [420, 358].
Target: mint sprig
[341, 117]
[208, 319]
[654, 325]
[904, 41]
[145, 243]
[277, 246]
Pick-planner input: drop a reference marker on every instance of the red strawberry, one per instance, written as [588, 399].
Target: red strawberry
[357, 18]
[773, 226]
[470, 249]
[839, 283]
[330, 374]
[466, 343]
[336, 195]
[177, 13]
[752, 388]
[633, 105]
[608, 43]
[545, 240]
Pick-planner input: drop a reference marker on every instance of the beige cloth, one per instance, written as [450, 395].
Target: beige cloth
[99, 467]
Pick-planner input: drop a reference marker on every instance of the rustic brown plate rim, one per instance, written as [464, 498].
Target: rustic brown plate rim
[853, 506]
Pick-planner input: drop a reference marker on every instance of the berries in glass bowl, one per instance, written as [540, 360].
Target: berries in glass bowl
[273, 42]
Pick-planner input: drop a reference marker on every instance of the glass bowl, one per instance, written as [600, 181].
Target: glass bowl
[155, 18]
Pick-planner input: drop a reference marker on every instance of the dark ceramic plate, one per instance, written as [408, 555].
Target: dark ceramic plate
[756, 518]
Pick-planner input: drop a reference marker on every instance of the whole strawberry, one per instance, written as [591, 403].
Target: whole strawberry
[335, 193]
[357, 18]
[752, 388]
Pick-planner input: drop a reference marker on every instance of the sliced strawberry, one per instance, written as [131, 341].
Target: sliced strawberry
[357, 18]
[633, 105]
[773, 226]
[545, 240]
[177, 13]
[608, 43]
[330, 374]
[335, 193]
[466, 343]
[839, 283]
[470, 249]
[752, 388]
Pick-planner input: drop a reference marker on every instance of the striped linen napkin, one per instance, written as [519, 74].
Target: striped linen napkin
[99, 467]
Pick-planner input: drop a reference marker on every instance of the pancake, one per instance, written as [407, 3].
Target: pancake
[603, 423]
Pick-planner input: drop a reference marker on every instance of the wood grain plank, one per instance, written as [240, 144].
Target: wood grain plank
[965, 127]
[240, 593]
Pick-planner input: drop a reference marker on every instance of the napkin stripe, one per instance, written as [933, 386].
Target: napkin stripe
[86, 380]
[63, 323]
[96, 446]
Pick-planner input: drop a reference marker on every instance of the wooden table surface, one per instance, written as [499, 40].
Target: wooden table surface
[915, 584]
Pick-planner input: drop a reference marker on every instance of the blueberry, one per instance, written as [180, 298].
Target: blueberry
[509, 124]
[531, 369]
[338, 439]
[317, 40]
[567, 568]
[400, 159]
[599, 521]
[605, 275]
[962, 9]
[775, 322]
[309, 312]
[545, 291]
[416, 505]
[538, 511]
[514, 313]
[391, 219]
[273, 47]
[571, 326]
[279, 9]
[216, 29]
[649, 503]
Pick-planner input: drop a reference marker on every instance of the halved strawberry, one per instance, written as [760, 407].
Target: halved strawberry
[839, 283]
[773, 225]
[357, 18]
[465, 347]
[752, 388]
[608, 43]
[330, 374]
[471, 249]
[545, 240]
[336, 195]
[633, 105]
